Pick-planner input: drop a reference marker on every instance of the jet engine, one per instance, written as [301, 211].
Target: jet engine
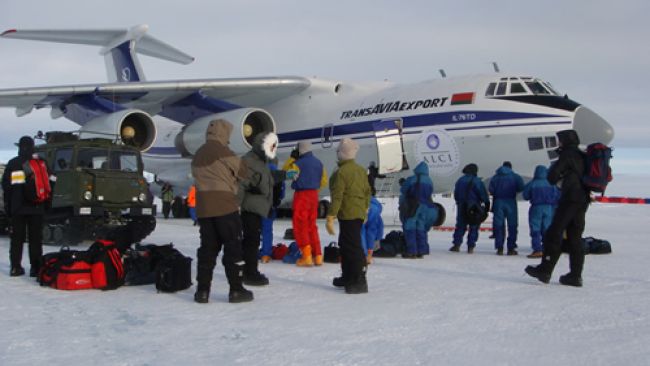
[247, 123]
[133, 127]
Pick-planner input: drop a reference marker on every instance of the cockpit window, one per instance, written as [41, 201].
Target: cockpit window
[501, 89]
[517, 88]
[490, 90]
[537, 88]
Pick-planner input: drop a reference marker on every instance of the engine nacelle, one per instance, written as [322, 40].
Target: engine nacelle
[133, 127]
[247, 123]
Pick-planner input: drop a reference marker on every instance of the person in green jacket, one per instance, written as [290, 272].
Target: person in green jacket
[350, 193]
[167, 197]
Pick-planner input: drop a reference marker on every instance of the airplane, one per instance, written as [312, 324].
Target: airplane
[446, 122]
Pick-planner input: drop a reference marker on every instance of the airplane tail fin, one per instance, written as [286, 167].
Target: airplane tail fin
[119, 47]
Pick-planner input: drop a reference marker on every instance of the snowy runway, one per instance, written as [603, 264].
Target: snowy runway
[448, 308]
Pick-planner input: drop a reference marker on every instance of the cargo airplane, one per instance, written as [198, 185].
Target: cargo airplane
[446, 122]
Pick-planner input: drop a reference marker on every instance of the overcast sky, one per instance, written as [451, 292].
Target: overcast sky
[595, 51]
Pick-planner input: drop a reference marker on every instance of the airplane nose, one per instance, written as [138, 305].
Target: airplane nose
[591, 127]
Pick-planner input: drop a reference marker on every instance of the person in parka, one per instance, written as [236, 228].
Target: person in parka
[372, 230]
[26, 216]
[256, 197]
[570, 214]
[543, 198]
[350, 193]
[217, 170]
[305, 205]
[468, 189]
[417, 189]
[504, 186]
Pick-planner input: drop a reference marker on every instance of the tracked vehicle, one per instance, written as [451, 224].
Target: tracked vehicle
[100, 190]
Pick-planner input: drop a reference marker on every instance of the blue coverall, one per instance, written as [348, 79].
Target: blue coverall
[477, 193]
[416, 227]
[504, 186]
[543, 199]
[373, 229]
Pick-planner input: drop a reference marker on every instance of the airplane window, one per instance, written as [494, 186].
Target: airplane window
[517, 88]
[536, 88]
[535, 143]
[550, 141]
[550, 87]
[490, 89]
[501, 89]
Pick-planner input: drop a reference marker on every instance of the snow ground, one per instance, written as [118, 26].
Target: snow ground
[445, 309]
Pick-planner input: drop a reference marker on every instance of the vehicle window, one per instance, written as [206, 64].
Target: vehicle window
[517, 88]
[92, 158]
[62, 160]
[536, 88]
[550, 141]
[490, 89]
[124, 160]
[535, 143]
[501, 89]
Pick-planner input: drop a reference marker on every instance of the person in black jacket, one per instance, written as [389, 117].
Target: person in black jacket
[569, 217]
[26, 216]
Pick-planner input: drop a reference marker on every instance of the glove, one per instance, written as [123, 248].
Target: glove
[330, 225]
[292, 174]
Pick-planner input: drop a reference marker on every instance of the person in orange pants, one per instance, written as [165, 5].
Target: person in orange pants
[305, 206]
[191, 203]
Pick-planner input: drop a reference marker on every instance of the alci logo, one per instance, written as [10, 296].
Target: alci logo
[433, 141]
[126, 74]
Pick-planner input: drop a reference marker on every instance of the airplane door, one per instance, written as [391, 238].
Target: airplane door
[390, 150]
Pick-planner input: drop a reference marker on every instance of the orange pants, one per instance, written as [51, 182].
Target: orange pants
[305, 212]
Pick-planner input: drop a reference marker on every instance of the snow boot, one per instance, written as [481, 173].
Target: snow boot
[237, 295]
[470, 250]
[369, 257]
[536, 254]
[16, 271]
[306, 259]
[500, 251]
[255, 279]
[359, 286]
[338, 281]
[318, 260]
[266, 259]
[455, 248]
[539, 273]
[512, 252]
[202, 296]
[571, 280]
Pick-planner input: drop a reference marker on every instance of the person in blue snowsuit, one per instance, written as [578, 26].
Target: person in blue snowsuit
[543, 198]
[504, 186]
[466, 194]
[373, 229]
[267, 222]
[418, 188]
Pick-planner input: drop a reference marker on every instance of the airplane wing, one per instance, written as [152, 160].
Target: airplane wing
[209, 95]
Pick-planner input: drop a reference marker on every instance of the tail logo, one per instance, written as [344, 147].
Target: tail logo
[126, 74]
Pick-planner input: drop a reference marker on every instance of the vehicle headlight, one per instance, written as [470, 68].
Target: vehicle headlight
[142, 197]
[88, 195]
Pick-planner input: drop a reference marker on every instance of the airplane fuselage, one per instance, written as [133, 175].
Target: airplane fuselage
[468, 126]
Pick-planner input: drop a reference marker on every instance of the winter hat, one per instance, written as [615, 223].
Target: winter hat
[219, 130]
[568, 138]
[471, 169]
[304, 147]
[347, 149]
[265, 145]
[25, 146]
[508, 164]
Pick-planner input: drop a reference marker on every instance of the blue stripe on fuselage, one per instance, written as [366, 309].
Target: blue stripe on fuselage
[423, 120]
[288, 139]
